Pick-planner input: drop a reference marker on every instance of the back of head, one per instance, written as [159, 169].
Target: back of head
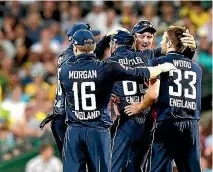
[83, 41]
[174, 34]
[123, 38]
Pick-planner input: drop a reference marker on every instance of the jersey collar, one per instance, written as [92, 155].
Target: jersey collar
[174, 52]
[91, 56]
[122, 49]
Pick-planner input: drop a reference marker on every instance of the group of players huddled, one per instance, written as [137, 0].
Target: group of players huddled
[155, 94]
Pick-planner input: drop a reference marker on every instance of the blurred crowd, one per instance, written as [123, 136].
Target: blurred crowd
[33, 34]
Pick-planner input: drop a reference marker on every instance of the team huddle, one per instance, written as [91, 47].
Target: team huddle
[155, 98]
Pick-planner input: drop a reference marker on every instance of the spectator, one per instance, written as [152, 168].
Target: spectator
[97, 17]
[168, 16]
[49, 13]
[6, 139]
[6, 66]
[111, 22]
[45, 161]
[37, 72]
[16, 9]
[7, 46]
[33, 26]
[46, 43]
[64, 8]
[17, 112]
[74, 16]
[204, 165]
[56, 32]
[149, 13]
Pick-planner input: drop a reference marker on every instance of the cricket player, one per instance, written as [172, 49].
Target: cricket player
[178, 103]
[132, 136]
[87, 84]
[57, 118]
[129, 129]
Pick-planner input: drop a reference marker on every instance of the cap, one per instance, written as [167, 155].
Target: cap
[83, 37]
[80, 26]
[143, 26]
[123, 37]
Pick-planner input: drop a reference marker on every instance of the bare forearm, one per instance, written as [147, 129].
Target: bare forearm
[151, 94]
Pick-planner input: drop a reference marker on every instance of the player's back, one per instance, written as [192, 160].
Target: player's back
[180, 90]
[88, 87]
[129, 91]
[88, 84]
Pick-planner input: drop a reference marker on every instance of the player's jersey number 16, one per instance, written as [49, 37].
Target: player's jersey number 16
[84, 97]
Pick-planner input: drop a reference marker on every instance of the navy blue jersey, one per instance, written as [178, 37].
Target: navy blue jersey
[180, 90]
[88, 84]
[68, 54]
[130, 91]
[58, 107]
[157, 52]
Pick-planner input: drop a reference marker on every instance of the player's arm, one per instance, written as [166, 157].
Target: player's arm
[104, 42]
[59, 103]
[101, 46]
[120, 73]
[149, 98]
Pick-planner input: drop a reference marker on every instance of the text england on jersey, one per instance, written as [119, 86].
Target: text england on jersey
[86, 115]
[181, 103]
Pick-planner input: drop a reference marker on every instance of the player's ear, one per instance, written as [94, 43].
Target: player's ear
[169, 44]
[74, 49]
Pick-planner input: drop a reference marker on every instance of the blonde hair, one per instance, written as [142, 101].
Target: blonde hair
[86, 48]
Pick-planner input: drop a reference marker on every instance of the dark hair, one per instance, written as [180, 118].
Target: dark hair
[175, 33]
[45, 147]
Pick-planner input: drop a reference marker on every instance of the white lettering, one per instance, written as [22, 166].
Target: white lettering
[131, 62]
[83, 74]
[87, 115]
[182, 63]
[182, 104]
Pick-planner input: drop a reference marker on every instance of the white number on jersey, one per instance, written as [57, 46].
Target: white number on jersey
[180, 87]
[84, 96]
[58, 89]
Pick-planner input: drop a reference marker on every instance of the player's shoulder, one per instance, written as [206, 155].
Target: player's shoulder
[109, 61]
[197, 66]
[109, 64]
[148, 54]
[67, 65]
[114, 58]
[65, 56]
[160, 60]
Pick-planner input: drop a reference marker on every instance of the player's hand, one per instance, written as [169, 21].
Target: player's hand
[115, 31]
[166, 67]
[188, 40]
[132, 109]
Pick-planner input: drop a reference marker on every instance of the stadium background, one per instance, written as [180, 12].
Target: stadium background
[33, 34]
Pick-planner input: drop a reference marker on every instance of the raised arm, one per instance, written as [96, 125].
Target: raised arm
[120, 73]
